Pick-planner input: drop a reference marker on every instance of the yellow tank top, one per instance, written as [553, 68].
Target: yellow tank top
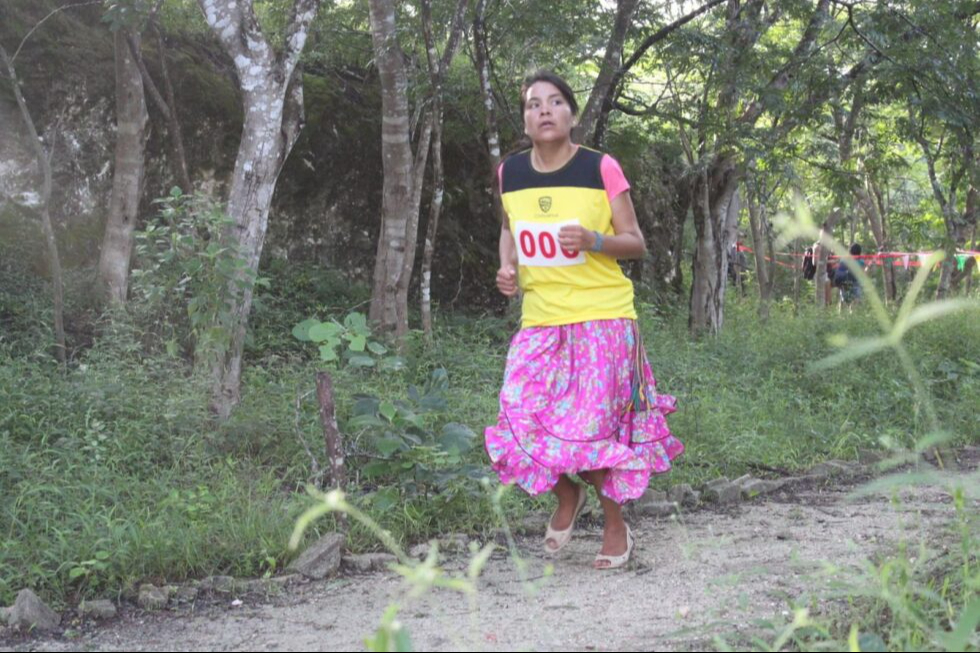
[563, 287]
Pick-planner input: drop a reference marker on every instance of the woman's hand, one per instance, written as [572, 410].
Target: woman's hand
[507, 281]
[576, 238]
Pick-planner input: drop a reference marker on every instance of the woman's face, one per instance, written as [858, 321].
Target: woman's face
[547, 115]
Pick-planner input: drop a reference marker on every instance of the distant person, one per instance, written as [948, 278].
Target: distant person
[827, 269]
[737, 265]
[848, 284]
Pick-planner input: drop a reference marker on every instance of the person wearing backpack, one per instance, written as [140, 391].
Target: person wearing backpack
[845, 281]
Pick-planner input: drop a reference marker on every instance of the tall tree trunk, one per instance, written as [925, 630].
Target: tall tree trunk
[958, 225]
[130, 164]
[732, 219]
[971, 264]
[437, 68]
[611, 62]
[394, 254]
[272, 96]
[877, 221]
[710, 267]
[821, 254]
[482, 62]
[44, 169]
[662, 204]
[958, 228]
[167, 106]
[435, 209]
[758, 244]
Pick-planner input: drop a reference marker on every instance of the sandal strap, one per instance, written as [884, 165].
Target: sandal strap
[561, 538]
[620, 560]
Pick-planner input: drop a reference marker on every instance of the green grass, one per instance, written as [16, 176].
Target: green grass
[113, 472]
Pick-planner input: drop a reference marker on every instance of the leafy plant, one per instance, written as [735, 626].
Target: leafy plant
[352, 338]
[186, 272]
[406, 456]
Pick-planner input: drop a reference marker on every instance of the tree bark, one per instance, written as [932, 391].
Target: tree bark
[712, 197]
[167, 106]
[756, 216]
[482, 62]
[821, 254]
[399, 180]
[272, 96]
[662, 204]
[878, 222]
[437, 69]
[332, 441]
[44, 169]
[611, 62]
[130, 165]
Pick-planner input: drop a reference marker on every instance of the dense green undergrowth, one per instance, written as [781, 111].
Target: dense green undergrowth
[114, 473]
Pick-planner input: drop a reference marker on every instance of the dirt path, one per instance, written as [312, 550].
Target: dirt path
[705, 571]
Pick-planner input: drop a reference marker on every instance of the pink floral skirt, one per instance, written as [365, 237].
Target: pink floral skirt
[580, 397]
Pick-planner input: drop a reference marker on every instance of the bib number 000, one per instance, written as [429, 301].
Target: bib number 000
[538, 245]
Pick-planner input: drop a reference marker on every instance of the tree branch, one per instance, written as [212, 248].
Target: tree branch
[455, 36]
[303, 13]
[42, 21]
[611, 60]
[781, 80]
[663, 33]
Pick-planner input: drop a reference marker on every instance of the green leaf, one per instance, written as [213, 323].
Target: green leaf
[366, 406]
[456, 438]
[411, 437]
[389, 445]
[377, 348]
[411, 419]
[871, 642]
[376, 468]
[858, 349]
[393, 364]
[388, 410]
[325, 331]
[76, 572]
[385, 499]
[357, 343]
[302, 330]
[355, 321]
[327, 353]
[433, 403]
[361, 360]
[966, 628]
[440, 379]
[364, 421]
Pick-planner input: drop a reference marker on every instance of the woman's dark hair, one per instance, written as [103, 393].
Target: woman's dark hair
[548, 76]
[856, 249]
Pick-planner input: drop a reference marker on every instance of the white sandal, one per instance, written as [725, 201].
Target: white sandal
[617, 561]
[561, 538]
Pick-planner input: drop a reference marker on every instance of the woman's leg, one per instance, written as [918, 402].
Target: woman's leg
[614, 533]
[567, 494]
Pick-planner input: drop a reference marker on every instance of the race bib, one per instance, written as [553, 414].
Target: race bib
[537, 245]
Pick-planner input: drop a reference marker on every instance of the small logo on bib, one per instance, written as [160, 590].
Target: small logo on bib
[544, 203]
